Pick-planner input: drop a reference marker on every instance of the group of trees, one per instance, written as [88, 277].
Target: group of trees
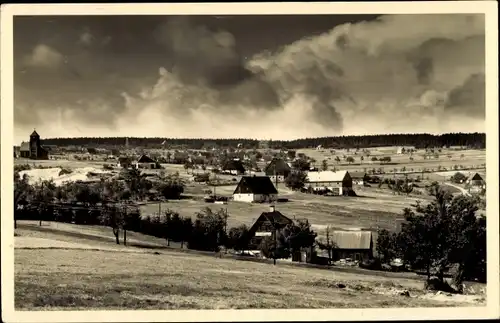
[473, 140]
[293, 237]
[448, 231]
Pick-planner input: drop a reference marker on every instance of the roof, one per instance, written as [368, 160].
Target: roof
[326, 176]
[357, 174]
[278, 166]
[352, 239]
[233, 164]
[145, 159]
[34, 133]
[276, 217]
[25, 146]
[475, 177]
[258, 184]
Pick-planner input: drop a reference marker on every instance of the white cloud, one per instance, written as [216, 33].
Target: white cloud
[44, 56]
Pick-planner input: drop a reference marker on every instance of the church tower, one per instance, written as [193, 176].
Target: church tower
[34, 144]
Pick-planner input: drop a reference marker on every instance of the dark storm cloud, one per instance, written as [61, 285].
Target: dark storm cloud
[469, 98]
[186, 76]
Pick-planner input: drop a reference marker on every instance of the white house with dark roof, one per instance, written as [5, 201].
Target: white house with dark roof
[255, 189]
[338, 182]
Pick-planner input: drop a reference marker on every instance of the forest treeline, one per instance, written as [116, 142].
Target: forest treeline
[469, 140]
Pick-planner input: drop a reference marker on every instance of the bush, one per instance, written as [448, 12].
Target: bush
[65, 171]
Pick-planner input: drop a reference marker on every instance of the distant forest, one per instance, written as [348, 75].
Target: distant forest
[469, 140]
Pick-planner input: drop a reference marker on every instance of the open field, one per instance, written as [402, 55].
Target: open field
[72, 278]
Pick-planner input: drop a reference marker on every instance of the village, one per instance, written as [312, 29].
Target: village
[338, 201]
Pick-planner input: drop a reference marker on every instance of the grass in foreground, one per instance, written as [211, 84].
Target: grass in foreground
[55, 279]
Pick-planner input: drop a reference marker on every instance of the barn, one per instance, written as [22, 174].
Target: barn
[255, 189]
[357, 245]
[266, 225]
[277, 169]
[339, 182]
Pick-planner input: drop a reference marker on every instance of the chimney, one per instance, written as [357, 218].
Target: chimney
[272, 208]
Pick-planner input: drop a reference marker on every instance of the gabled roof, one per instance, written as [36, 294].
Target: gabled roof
[276, 218]
[258, 185]
[145, 159]
[233, 164]
[278, 166]
[352, 239]
[357, 174]
[326, 176]
[475, 177]
[25, 146]
[34, 133]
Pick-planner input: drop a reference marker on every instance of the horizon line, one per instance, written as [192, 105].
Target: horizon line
[270, 139]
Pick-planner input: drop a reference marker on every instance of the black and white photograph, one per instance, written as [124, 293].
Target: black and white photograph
[205, 158]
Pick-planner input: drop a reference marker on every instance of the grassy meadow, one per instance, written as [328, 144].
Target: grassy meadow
[59, 271]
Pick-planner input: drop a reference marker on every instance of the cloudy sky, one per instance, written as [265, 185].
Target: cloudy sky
[278, 77]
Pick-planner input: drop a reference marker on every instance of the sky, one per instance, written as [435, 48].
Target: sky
[262, 77]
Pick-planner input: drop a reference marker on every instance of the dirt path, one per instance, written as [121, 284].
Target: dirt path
[464, 191]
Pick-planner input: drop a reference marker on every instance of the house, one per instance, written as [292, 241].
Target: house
[255, 189]
[233, 167]
[339, 182]
[267, 225]
[358, 178]
[475, 183]
[33, 149]
[146, 162]
[124, 162]
[357, 245]
[277, 169]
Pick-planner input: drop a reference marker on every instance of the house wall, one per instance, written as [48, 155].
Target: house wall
[281, 178]
[250, 197]
[354, 254]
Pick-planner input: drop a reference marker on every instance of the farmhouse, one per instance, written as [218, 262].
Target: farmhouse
[475, 183]
[339, 182]
[255, 189]
[358, 178]
[277, 169]
[266, 225]
[357, 245]
[33, 149]
[145, 162]
[233, 167]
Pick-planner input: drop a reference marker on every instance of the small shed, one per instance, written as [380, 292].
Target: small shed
[255, 189]
[475, 182]
[124, 162]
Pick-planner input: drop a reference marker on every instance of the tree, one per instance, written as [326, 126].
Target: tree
[299, 235]
[337, 159]
[374, 158]
[387, 245]
[443, 232]
[361, 159]
[236, 237]
[350, 159]
[296, 180]
[301, 164]
[22, 194]
[458, 178]
[327, 244]
[324, 165]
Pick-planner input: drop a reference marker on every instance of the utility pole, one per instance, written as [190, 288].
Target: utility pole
[275, 245]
